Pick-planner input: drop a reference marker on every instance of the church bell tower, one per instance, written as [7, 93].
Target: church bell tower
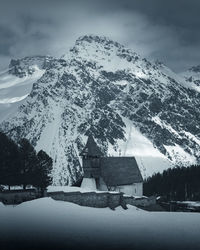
[91, 163]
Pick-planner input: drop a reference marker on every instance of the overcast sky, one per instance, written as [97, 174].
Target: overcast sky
[167, 30]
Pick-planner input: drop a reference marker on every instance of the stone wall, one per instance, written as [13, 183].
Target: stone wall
[18, 196]
[101, 200]
[140, 201]
[89, 199]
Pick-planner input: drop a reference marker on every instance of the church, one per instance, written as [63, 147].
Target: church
[120, 174]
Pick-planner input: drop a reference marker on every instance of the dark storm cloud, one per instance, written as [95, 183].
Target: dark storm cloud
[157, 29]
[7, 39]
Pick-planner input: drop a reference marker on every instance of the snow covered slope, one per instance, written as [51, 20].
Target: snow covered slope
[192, 76]
[131, 106]
[16, 82]
[49, 224]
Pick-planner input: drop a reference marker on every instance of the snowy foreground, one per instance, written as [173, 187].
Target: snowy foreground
[54, 224]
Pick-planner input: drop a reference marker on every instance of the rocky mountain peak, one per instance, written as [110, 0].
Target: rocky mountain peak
[192, 76]
[101, 49]
[28, 65]
[103, 40]
[195, 69]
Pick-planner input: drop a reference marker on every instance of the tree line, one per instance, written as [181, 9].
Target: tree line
[21, 165]
[180, 183]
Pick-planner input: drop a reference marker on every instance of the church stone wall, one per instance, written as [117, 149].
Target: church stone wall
[18, 196]
[89, 199]
[101, 200]
[141, 202]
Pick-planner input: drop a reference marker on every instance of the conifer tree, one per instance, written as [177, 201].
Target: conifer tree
[21, 165]
[180, 183]
[41, 176]
[28, 159]
[9, 161]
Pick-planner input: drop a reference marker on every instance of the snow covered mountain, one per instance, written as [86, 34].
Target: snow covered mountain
[16, 82]
[192, 76]
[131, 105]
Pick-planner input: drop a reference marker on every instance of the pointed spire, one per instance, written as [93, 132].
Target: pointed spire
[91, 148]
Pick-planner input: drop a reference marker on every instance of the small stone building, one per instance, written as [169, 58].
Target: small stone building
[110, 173]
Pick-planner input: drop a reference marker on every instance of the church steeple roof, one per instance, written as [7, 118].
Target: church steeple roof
[91, 148]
